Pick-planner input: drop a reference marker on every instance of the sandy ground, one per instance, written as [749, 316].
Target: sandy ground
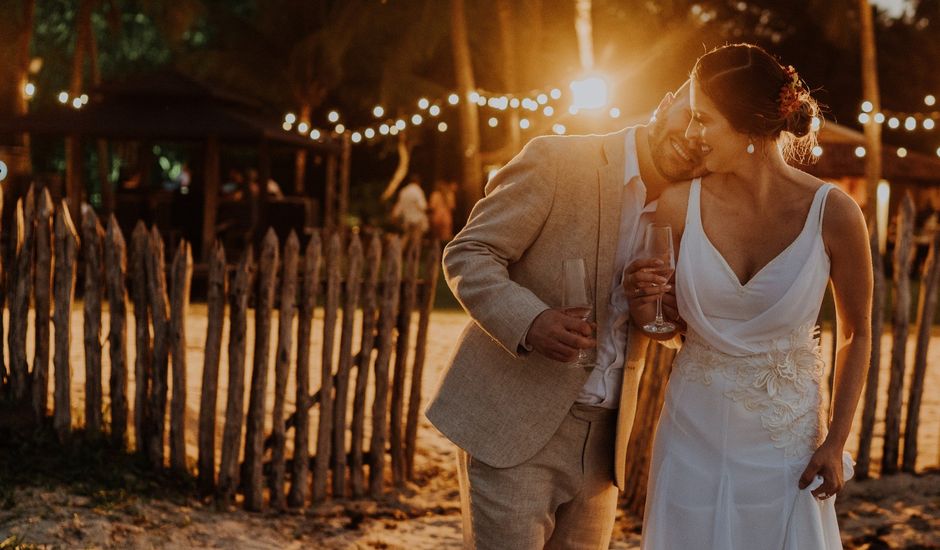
[902, 511]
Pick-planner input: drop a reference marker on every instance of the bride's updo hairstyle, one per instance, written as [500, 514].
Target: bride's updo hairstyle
[760, 97]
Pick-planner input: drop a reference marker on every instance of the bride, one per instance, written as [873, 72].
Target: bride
[743, 457]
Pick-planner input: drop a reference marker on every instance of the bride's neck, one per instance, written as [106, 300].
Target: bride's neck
[760, 173]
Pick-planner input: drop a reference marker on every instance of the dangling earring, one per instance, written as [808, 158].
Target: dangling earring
[750, 146]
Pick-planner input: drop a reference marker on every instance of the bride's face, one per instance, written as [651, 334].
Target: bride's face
[721, 145]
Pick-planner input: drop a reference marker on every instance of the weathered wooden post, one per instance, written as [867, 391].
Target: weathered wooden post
[235, 402]
[160, 317]
[215, 298]
[19, 296]
[870, 403]
[115, 259]
[650, 399]
[321, 463]
[92, 247]
[300, 466]
[285, 328]
[364, 363]
[432, 266]
[254, 432]
[925, 313]
[390, 295]
[353, 278]
[140, 244]
[66, 253]
[409, 291]
[182, 274]
[42, 289]
[903, 257]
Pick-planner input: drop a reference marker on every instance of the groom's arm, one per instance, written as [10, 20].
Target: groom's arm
[502, 226]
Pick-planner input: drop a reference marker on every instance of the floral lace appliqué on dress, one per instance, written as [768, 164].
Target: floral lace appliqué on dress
[781, 384]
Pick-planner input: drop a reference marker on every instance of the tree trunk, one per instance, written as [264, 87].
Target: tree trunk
[73, 153]
[507, 30]
[870, 92]
[472, 172]
[300, 157]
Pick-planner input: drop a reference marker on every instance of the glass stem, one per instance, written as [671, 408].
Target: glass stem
[659, 310]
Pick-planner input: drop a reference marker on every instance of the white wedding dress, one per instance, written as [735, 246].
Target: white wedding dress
[743, 409]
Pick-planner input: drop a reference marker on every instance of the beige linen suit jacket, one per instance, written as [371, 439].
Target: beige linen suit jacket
[559, 198]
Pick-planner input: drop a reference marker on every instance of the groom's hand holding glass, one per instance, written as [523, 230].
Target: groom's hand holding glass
[559, 335]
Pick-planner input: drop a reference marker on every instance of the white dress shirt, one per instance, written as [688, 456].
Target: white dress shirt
[603, 386]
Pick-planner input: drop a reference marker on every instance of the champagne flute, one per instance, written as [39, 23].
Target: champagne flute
[576, 300]
[658, 245]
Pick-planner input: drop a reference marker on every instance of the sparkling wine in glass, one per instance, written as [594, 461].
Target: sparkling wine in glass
[658, 245]
[576, 300]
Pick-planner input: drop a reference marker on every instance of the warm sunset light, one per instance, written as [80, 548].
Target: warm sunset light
[589, 93]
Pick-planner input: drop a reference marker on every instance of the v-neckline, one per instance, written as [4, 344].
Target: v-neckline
[724, 262]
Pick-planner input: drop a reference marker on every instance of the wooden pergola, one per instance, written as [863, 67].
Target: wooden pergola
[168, 106]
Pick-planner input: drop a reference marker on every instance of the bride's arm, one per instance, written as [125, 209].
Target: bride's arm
[847, 244]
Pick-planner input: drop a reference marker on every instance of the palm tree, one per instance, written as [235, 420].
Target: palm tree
[471, 189]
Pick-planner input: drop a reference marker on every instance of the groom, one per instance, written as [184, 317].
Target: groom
[542, 444]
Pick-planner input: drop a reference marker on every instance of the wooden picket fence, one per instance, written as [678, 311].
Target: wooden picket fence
[894, 456]
[386, 279]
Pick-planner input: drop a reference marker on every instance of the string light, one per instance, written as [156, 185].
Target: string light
[423, 103]
[333, 116]
[29, 90]
[548, 110]
[473, 97]
[859, 151]
[383, 129]
[817, 151]
[84, 99]
[910, 123]
[442, 127]
[815, 124]
[514, 103]
[542, 99]
[559, 129]
[290, 118]
[902, 152]
[555, 93]
[864, 118]
[453, 99]
[434, 110]
[493, 122]
[938, 151]
[524, 123]
[340, 128]
[378, 111]
[417, 120]
[356, 137]
[572, 110]
[893, 123]
[77, 102]
[929, 124]
[369, 133]
[401, 124]
[929, 100]
[879, 118]
[314, 134]
[63, 97]
[303, 127]
[867, 106]
[614, 112]
[286, 126]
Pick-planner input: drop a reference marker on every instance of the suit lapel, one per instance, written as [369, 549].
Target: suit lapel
[610, 207]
